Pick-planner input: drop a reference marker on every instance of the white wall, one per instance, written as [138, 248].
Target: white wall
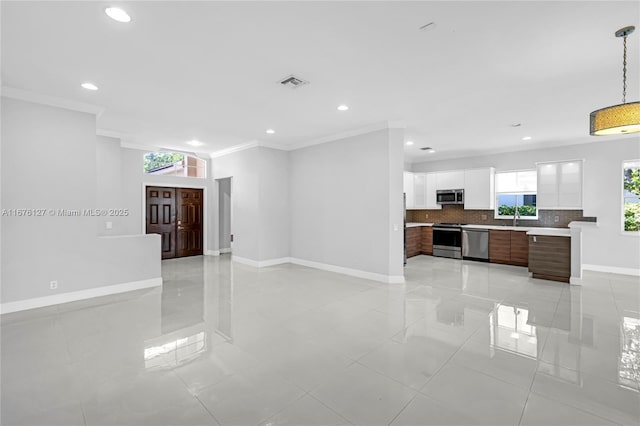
[49, 162]
[604, 247]
[345, 197]
[224, 210]
[274, 204]
[243, 167]
[109, 185]
[260, 198]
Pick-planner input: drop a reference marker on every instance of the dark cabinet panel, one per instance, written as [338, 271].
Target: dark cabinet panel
[508, 247]
[550, 257]
[519, 248]
[426, 243]
[413, 241]
[499, 246]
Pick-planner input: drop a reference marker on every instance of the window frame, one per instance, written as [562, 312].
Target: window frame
[623, 197]
[185, 165]
[497, 215]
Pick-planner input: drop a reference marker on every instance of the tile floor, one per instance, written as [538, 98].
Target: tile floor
[461, 343]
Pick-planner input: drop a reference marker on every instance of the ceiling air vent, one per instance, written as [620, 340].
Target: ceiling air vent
[293, 82]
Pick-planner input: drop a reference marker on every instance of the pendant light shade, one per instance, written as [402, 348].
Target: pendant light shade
[618, 119]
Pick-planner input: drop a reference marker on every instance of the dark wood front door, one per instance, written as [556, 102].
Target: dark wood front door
[189, 222]
[161, 217]
[175, 214]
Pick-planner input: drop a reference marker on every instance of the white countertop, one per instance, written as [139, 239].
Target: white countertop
[415, 224]
[553, 232]
[500, 227]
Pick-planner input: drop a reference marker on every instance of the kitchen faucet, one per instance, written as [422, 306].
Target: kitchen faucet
[516, 215]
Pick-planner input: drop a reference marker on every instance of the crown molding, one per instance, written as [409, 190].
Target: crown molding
[334, 137]
[110, 134]
[38, 98]
[140, 147]
[384, 125]
[235, 148]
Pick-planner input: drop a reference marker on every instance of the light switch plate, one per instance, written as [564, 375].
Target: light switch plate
[109, 225]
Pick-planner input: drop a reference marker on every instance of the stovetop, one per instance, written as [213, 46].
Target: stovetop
[449, 225]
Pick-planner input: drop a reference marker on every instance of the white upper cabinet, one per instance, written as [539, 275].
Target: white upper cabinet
[408, 190]
[420, 190]
[431, 192]
[450, 180]
[479, 185]
[560, 185]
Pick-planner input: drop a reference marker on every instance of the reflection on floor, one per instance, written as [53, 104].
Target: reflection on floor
[222, 343]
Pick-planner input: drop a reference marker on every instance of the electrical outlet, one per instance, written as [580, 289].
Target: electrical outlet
[484, 217]
[556, 218]
[426, 216]
[53, 285]
[108, 225]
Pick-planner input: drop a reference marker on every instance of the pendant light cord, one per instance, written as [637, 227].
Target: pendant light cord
[624, 71]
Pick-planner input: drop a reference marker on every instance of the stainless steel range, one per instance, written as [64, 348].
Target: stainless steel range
[447, 240]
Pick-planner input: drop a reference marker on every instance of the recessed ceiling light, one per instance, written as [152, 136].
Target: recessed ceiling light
[117, 14]
[343, 108]
[409, 143]
[516, 124]
[270, 131]
[195, 143]
[431, 151]
[89, 86]
[428, 149]
[526, 138]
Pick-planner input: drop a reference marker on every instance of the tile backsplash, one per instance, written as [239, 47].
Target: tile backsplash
[457, 214]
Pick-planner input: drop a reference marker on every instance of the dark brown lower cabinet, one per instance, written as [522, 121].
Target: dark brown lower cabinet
[508, 247]
[550, 257]
[412, 241]
[419, 240]
[499, 246]
[519, 248]
[426, 240]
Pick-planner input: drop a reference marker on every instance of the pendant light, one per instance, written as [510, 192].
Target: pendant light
[618, 119]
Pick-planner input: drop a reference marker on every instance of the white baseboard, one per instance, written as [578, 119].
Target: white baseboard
[575, 280]
[225, 250]
[244, 261]
[212, 253]
[389, 279]
[273, 262]
[611, 269]
[72, 296]
[260, 263]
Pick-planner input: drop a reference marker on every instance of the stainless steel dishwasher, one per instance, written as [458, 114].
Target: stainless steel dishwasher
[475, 244]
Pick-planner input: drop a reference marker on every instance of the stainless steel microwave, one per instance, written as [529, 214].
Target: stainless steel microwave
[450, 196]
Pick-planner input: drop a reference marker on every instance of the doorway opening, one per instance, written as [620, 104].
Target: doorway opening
[225, 235]
[176, 214]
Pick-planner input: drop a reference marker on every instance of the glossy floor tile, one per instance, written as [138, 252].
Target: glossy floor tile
[461, 343]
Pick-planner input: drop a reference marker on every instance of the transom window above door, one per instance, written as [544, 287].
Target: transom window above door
[168, 163]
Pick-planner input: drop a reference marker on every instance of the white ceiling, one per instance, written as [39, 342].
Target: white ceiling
[209, 70]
